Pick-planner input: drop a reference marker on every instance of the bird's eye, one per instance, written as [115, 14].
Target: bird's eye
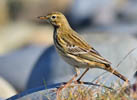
[53, 17]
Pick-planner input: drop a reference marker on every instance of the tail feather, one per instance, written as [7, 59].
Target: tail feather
[110, 69]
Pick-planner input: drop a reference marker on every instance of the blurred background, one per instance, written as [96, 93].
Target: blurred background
[27, 56]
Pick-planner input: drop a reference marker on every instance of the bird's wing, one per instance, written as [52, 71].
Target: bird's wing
[74, 45]
[91, 54]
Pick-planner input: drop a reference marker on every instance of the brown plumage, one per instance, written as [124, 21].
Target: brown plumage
[73, 49]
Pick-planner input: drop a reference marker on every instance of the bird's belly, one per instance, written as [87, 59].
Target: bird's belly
[72, 61]
[75, 62]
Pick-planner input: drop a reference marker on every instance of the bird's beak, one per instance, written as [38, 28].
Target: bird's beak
[43, 17]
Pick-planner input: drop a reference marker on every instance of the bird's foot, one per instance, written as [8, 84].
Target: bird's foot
[78, 82]
[58, 91]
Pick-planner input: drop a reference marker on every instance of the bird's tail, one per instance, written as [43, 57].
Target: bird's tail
[110, 69]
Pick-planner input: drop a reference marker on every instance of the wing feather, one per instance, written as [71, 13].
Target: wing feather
[74, 45]
[87, 54]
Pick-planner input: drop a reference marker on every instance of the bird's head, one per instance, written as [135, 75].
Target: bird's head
[57, 19]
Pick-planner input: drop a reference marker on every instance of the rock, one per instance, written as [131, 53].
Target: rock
[16, 67]
[38, 93]
[102, 13]
[128, 11]
[23, 70]
[6, 89]
[49, 93]
[79, 91]
[49, 69]
[16, 35]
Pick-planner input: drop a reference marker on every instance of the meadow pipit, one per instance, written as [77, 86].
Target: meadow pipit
[74, 50]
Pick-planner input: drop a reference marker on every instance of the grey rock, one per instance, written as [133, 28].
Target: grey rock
[49, 93]
[49, 69]
[16, 67]
[104, 13]
[40, 95]
[33, 66]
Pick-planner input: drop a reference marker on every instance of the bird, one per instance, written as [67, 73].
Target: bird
[74, 49]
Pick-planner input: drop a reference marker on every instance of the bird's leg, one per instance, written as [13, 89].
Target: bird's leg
[78, 80]
[70, 81]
